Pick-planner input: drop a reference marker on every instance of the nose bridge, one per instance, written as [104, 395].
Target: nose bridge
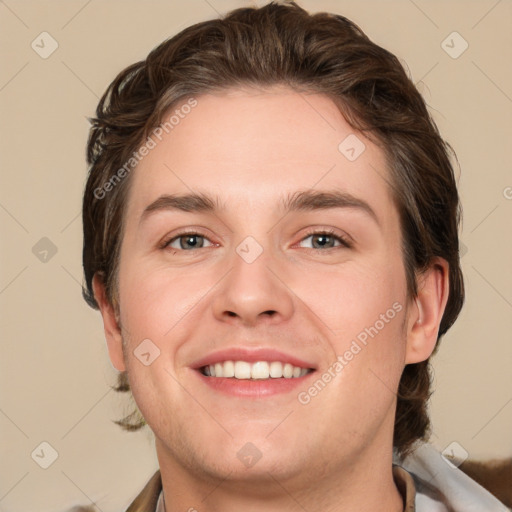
[251, 290]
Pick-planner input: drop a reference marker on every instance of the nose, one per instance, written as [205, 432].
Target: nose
[254, 292]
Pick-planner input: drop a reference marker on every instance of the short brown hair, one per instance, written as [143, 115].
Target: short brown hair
[281, 43]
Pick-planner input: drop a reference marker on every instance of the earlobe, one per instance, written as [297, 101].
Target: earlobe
[426, 312]
[110, 324]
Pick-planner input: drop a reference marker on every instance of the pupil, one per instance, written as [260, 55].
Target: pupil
[322, 237]
[192, 240]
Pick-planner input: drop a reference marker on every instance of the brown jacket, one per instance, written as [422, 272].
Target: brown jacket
[147, 500]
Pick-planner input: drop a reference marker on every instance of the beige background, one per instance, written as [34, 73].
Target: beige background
[55, 372]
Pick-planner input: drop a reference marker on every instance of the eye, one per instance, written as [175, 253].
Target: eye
[186, 242]
[326, 239]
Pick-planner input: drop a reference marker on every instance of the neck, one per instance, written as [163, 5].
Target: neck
[365, 485]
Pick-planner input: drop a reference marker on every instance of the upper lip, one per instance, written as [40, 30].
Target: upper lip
[251, 356]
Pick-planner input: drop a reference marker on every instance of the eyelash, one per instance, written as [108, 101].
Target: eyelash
[344, 242]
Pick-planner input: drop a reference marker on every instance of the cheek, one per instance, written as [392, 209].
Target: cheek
[154, 301]
[156, 307]
[352, 296]
[363, 307]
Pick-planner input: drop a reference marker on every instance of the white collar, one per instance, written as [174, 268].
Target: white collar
[442, 487]
[160, 502]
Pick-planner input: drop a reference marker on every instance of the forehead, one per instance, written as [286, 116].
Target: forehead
[251, 146]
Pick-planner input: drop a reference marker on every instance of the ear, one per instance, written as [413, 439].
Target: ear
[110, 324]
[426, 312]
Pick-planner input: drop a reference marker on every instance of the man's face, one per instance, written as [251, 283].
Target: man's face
[252, 283]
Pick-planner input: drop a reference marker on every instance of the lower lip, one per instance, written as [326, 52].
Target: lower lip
[257, 388]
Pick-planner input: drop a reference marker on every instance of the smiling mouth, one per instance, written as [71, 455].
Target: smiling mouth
[260, 370]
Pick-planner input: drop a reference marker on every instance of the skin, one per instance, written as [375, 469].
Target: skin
[250, 147]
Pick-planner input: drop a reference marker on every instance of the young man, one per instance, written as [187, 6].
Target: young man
[270, 234]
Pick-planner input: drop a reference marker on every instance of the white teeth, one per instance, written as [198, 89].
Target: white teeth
[242, 370]
[287, 371]
[260, 370]
[276, 370]
[257, 370]
[229, 369]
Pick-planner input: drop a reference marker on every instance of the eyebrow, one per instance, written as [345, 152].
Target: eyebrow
[305, 200]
